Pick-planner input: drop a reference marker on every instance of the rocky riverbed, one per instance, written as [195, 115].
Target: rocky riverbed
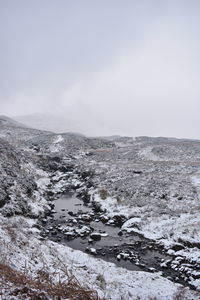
[77, 224]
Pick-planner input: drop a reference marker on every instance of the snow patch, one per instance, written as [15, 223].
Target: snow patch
[147, 154]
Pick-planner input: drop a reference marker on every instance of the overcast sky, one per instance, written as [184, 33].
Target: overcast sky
[113, 66]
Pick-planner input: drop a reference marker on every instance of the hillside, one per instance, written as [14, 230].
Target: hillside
[134, 205]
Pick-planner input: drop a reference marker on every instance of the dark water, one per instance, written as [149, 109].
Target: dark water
[67, 203]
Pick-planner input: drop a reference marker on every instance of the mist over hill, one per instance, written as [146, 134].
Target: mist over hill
[60, 123]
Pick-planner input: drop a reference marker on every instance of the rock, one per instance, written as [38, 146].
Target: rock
[124, 255]
[137, 172]
[177, 247]
[104, 234]
[50, 193]
[86, 218]
[54, 232]
[119, 220]
[83, 231]
[104, 219]
[70, 234]
[52, 205]
[97, 207]
[119, 257]
[152, 269]
[91, 251]
[110, 222]
[95, 236]
[131, 223]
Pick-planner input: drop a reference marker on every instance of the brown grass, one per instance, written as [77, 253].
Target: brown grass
[42, 286]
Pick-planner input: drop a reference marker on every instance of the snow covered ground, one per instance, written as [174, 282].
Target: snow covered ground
[154, 183]
[21, 248]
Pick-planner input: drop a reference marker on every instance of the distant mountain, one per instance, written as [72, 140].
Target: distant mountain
[87, 125]
[54, 123]
[4, 120]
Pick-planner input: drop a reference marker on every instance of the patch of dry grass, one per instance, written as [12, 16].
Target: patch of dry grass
[103, 193]
[42, 286]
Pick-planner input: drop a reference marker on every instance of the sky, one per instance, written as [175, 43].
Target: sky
[129, 67]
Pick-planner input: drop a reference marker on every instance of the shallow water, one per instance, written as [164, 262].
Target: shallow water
[69, 202]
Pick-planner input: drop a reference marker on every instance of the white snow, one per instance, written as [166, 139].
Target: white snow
[147, 154]
[58, 139]
[112, 207]
[196, 182]
[56, 144]
[131, 223]
[164, 228]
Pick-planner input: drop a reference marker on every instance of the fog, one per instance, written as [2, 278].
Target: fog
[103, 67]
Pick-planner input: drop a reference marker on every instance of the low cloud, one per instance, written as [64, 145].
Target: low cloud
[151, 89]
[135, 73]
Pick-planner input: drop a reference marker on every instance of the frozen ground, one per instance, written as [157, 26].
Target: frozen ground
[153, 182]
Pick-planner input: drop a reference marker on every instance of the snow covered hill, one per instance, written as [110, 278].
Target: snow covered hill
[152, 184]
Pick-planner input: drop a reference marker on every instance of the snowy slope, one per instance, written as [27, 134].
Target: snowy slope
[153, 183]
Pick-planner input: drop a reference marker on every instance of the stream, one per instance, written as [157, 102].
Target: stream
[77, 225]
